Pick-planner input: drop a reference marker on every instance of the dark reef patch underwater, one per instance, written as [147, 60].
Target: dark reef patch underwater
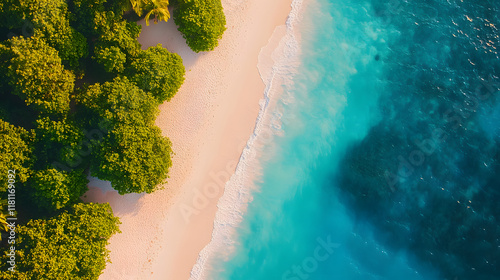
[428, 174]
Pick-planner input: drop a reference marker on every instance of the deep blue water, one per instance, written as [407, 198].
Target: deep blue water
[388, 167]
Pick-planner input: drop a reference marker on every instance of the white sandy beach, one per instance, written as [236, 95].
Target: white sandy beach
[209, 122]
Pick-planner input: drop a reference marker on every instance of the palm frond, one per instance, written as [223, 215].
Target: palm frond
[158, 8]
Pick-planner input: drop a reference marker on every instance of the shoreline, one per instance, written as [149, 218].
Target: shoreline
[209, 122]
[278, 62]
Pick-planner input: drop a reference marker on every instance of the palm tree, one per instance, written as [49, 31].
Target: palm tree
[158, 8]
[136, 5]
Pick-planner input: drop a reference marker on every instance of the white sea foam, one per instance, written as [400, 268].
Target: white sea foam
[276, 68]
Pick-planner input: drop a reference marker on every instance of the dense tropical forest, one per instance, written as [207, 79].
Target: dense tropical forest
[79, 96]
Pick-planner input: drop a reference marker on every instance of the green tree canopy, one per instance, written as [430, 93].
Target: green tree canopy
[119, 102]
[133, 155]
[57, 140]
[135, 158]
[16, 153]
[10, 14]
[6, 55]
[37, 75]
[94, 17]
[55, 189]
[158, 71]
[120, 43]
[201, 22]
[111, 58]
[70, 246]
[48, 19]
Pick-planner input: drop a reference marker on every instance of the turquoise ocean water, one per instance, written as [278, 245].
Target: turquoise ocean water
[387, 165]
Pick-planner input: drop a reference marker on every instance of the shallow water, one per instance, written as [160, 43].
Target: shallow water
[387, 167]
